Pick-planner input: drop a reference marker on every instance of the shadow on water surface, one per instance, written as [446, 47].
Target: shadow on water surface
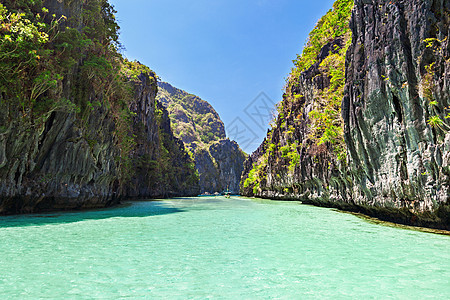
[125, 210]
[379, 222]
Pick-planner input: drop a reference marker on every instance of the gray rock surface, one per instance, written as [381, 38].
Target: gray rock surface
[61, 160]
[66, 163]
[220, 166]
[397, 78]
[157, 143]
[51, 165]
[401, 161]
[318, 175]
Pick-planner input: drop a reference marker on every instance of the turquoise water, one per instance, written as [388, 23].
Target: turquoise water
[203, 248]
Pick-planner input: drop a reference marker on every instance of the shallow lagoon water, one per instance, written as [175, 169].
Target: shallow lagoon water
[212, 247]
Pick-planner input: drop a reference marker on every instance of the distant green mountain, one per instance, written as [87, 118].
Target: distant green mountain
[194, 120]
[218, 160]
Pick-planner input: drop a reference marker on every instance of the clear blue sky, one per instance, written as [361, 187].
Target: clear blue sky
[225, 51]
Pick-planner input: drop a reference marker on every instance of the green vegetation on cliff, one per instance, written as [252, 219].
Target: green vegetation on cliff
[40, 50]
[169, 169]
[363, 125]
[219, 161]
[327, 124]
[323, 63]
[60, 62]
[332, 25]
[193, 120]
[41, 53]
[438, 112]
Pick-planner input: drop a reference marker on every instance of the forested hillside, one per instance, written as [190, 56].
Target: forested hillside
[218, 160]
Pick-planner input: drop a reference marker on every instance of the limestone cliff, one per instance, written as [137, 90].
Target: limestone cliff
[79, 125]
[219, 161]
[220, 166]
[389, 154]
[398, 79]
[161, 167]
[290, 163]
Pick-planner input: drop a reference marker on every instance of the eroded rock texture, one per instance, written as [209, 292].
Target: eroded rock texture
[68, 163]
[161, 166]
[220, 166]
[397, 158]
[51, 165]
[397, 82]
[318, 174]
[63, 158]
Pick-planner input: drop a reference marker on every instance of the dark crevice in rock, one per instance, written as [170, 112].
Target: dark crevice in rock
[17, 176]
[398, 108]
[48, 125]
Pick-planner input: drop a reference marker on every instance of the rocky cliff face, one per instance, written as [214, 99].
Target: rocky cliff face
[394, 110]
[290, 164]
[161, 166]
[398, 78]
[219, 161]
[51, 165]
[220, 166]
[94, 146]
[63, 162]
